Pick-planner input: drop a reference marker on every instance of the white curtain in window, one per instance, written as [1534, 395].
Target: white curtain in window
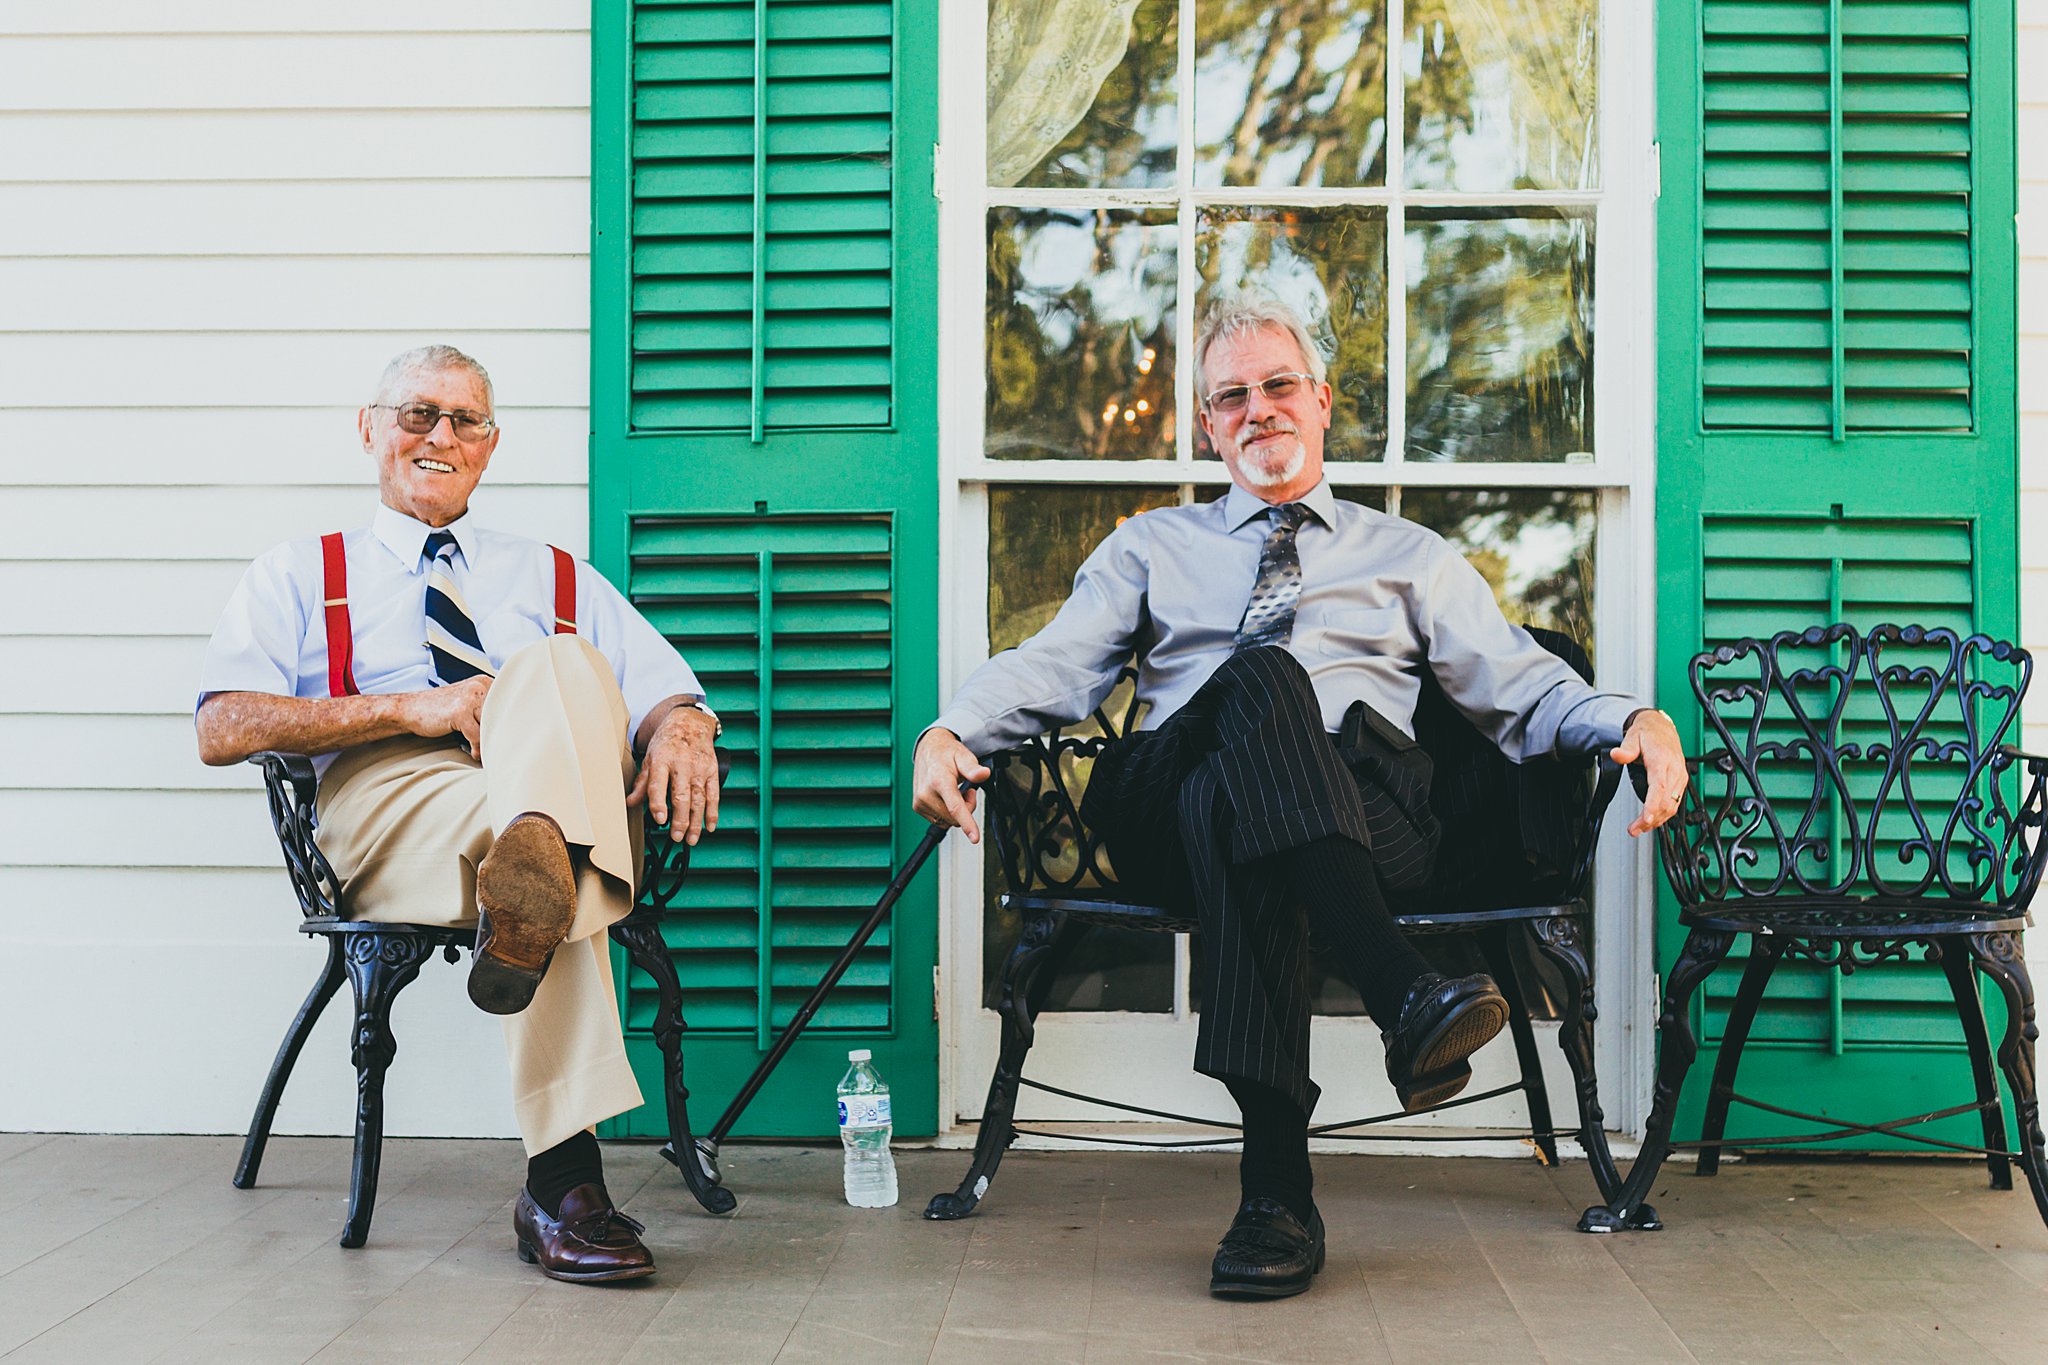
[1047, 60]
[1545, 47]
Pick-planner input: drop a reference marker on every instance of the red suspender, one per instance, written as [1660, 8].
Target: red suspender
[341, 680]
[565, 592]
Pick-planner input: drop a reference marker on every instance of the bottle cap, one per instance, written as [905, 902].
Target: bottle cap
[860, 1054]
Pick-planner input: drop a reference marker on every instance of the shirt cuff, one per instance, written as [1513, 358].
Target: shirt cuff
[1597, 724]
[968, 727]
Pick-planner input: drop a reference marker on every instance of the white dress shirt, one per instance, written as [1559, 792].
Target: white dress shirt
[273, 635]
[1381, 600]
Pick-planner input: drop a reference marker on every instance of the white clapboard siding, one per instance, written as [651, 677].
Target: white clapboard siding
[218, 220]
[446, 215]
[257, 294]
[2033, 356]
[259, 369]
[272, 447]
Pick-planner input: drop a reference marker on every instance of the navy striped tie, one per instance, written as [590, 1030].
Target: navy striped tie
[451, 635]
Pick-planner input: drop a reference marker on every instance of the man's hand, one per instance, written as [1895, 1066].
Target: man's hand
[938, 768]
[457, 709]
[1654, 739]
[679, 777]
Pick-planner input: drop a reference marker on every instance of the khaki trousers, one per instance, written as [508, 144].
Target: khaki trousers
[406, 821]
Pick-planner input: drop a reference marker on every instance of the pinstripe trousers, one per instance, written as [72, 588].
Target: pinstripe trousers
[1195, 811]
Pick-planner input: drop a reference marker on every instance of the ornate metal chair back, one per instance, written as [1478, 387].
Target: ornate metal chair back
[1859, 768]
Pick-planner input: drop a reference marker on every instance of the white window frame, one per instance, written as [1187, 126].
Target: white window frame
[1103, 1045]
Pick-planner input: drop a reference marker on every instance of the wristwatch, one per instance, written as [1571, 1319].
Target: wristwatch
[691, 699]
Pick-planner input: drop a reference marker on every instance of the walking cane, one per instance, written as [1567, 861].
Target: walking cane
[707, 1146]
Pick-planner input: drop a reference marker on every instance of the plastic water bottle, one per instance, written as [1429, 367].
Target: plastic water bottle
[864, 1132]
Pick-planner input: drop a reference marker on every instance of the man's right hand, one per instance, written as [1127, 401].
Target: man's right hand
[939, 766]
[457, 709]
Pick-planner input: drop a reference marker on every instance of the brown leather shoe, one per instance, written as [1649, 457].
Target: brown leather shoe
[526, 896]
[590, 1241]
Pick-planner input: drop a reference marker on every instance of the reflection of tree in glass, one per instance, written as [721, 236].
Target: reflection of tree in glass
[1290, 93]
[1330, 265]
[1127, 137]
[1080, 334]
[1501, 93]
[1533, 546]
[1500, 335]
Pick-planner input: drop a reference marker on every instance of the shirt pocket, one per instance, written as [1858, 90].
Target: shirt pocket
[1353, 632]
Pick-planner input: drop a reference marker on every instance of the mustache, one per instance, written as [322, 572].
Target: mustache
[1272, 426]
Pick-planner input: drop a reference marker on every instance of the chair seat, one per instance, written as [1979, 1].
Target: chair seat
[1151, 918]
[1814, 917]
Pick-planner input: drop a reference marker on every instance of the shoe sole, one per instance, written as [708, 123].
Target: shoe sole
[532, 1257]
[1459, 1036]
[1427, 1092]
[1235, 1289]
[528, 889]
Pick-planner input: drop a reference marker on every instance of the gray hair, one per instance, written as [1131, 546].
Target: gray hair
[1241, 314]
[420, 360]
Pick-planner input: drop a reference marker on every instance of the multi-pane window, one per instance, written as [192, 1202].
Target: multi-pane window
[1144, 156]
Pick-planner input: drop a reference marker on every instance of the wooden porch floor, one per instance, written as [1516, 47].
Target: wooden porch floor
[136, 1248]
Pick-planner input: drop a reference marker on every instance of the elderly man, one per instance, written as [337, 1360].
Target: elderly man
[1281, 637]
[477, 701]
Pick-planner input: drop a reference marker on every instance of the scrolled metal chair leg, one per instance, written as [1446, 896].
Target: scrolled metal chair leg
[380, 965]
[328, 982]
[1764, 955]
[1493, 943]
[1703, 951]
[1562, 939]
[1037, 952]
[1961, 972]
[696, 1161]
[1998, 956]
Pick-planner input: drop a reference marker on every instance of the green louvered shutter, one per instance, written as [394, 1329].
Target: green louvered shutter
[1835, 236]
[764, 485]
[1837, 419]
[787, 621]
[773, 212]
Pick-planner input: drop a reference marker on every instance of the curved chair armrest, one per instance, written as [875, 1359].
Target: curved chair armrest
[2036, 763]
[666, 861]
[292, 789]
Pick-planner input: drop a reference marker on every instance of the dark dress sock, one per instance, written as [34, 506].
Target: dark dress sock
[1333, 880]
[1275, 1161]
[561, 1168]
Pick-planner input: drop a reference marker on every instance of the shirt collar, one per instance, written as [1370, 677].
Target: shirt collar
[1240, 505]
[406, 537]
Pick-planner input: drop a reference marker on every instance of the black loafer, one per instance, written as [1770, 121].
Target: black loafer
[1267, 1254]
[1443, 1021]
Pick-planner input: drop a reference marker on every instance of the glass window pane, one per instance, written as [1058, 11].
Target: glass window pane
[1082, 95]
[1502, 94]
[1037, 537]
[1534, 546]
[1080, 334]
[1331, 265]
[1500, 335]
[1290, 94]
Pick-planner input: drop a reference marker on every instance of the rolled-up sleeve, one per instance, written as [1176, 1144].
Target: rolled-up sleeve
[1525, 698]
[262, 630]
[1065, 670]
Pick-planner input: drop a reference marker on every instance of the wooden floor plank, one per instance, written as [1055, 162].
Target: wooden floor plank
[138, 1249]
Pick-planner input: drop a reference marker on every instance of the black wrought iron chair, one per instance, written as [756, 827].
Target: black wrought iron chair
[1857, 800]
[380, 960]
[1059, 879]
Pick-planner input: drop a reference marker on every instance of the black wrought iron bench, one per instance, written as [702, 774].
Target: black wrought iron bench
[1059, 879]
[380, 960]
[1857, 800]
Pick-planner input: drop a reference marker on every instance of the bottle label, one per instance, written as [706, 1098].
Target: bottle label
[863, 1111]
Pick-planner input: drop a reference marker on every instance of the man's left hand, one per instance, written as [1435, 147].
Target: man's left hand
[1654, 740]
[679, 777]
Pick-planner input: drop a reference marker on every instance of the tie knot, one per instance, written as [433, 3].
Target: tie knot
[439, 543]
[1290, 513]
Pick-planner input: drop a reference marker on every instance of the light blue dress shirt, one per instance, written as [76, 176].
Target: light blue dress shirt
[272, 636]
[1381, 600]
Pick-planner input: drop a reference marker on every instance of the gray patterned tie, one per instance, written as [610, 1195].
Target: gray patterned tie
[1269, 616]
